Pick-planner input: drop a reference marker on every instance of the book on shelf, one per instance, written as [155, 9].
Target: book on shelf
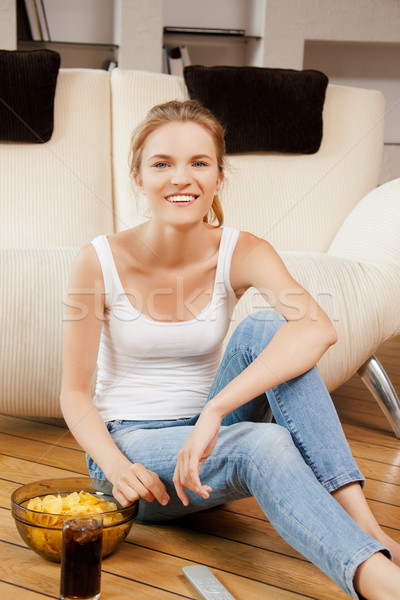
[38, 24]
[205, 31]
[44, 25]
[69, 21]
[175, 60]
[110, 65]
[165, 61]
[33, 18]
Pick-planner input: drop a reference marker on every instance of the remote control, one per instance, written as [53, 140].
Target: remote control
[206, 583]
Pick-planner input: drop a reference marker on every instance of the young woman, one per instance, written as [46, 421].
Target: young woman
[173, 426]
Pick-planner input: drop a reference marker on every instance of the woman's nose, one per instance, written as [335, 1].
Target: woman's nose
[180, 176]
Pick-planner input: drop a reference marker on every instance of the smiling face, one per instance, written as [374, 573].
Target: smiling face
[179, 172]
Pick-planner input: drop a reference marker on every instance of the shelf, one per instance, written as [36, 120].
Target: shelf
[209, 32]
[76, 55]
[239, 34]
[72, 44]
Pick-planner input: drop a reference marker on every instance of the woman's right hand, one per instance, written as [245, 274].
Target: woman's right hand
[138, 482]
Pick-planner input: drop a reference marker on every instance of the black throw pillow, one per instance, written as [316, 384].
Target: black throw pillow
[27, 89]
[276, 110]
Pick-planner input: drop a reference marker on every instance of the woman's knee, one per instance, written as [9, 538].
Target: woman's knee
[264, 441]
[265, 454]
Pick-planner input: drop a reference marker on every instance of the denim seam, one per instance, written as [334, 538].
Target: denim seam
[352, 565]
[293, 431]
[338, 482]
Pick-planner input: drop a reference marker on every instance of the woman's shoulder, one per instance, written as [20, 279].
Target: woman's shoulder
[85, 268]
[251, 255]
[248, 242]
[87, 257]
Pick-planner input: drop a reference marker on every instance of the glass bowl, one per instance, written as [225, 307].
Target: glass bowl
[43, 531]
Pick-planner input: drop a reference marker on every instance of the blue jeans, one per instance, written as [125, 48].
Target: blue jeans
[290, 466]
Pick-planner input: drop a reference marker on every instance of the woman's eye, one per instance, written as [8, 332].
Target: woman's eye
[199, 163]
[161, 165]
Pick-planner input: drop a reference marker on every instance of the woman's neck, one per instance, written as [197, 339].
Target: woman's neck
[177, 247]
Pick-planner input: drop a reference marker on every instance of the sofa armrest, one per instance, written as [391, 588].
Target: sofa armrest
[33, 283]
[360, 300]
[370, 234]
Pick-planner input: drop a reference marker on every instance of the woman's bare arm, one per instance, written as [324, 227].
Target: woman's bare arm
[83, 321]
[298, 344]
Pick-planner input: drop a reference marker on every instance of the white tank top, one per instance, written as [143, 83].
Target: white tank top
[151, 369]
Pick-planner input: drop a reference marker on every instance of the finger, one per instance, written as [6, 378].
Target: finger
[192, 481]
[205, 491]
[153, 484]
[187, 475]
[124, 498]
[132, 487]
[179, 488]
[193, 477]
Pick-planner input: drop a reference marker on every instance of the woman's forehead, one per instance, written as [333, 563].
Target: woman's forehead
[187, 133]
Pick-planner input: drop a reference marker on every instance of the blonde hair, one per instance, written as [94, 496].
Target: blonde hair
[176, 111]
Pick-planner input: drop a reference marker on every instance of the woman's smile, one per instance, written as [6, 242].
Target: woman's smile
[182, 199]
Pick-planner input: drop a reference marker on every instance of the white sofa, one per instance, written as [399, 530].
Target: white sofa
[337, 232]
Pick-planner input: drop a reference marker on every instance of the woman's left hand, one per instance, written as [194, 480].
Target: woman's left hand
[197, 448]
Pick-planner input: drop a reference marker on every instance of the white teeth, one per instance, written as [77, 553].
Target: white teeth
[181, 198]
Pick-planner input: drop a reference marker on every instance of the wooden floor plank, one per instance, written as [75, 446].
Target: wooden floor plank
[41, 452]
[20, 471]
[27, 571]
[17, 592]
[381, 491]
[42, 432]
[381, 438]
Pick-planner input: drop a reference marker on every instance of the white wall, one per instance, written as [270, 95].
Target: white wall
[95, 24]
[8, 25]
[140, 34]
[290, 22]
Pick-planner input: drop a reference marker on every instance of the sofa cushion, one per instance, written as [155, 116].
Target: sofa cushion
[27, 88]
[277, 110]
[32, 301]
[60, 193]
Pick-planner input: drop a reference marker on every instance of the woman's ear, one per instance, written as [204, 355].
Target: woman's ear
[219, 181]
[139, 182]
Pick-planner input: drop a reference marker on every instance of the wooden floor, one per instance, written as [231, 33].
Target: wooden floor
[235, 541]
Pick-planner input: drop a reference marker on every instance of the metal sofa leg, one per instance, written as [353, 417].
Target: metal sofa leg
[377, 381]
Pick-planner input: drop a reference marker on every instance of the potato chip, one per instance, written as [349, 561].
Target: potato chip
[71, 500]
[82, 502]
[86, 498]
[53, 505]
